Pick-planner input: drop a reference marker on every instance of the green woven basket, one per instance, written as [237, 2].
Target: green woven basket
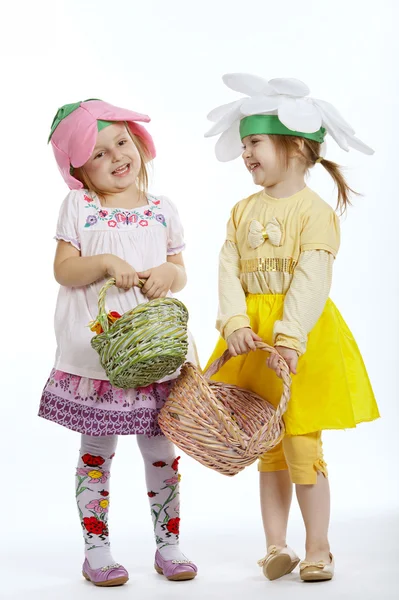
[145, 344]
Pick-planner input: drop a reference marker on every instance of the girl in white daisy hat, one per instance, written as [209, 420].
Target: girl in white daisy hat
[275, 276]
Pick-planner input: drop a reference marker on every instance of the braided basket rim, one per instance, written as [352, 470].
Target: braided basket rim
[225, 463]
[134, 311]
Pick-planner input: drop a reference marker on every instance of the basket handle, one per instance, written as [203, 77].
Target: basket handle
[285, 376]
[102, 313]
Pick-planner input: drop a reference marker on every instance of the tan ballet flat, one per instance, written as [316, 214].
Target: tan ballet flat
[278, 562]
[317, 571]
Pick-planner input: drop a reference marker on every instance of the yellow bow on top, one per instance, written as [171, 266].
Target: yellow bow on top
[258, 234]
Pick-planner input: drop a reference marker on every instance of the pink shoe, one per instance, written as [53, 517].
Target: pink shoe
[105, 576]
[175, 570]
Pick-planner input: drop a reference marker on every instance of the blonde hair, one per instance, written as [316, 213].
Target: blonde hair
[142, 178]
[309, 150]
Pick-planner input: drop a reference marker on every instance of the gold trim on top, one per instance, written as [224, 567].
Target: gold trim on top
[269, 265]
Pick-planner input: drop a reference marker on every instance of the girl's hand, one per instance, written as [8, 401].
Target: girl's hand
[242, 341]
[159, 280]
[290, 356]
[124, 274]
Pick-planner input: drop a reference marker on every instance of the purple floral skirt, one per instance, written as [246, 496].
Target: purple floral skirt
[95, 407]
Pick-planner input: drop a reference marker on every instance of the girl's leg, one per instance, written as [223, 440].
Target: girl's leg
[92, 496]
[275, 498]
[304, 455]
[314, 501]
[162, 478]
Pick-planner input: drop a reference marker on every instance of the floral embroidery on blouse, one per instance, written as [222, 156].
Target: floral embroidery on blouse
[124, 218]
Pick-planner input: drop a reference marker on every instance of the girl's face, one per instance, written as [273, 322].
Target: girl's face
[262, 161]
[115, 162]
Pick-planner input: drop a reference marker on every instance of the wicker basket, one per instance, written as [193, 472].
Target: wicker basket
[145, 344]
[222, 426]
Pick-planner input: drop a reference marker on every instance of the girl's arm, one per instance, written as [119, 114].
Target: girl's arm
[180, 277]
[305, 299]
[170, 276]
[232, 314]
[310, 286]
[73, 270]
[233, 321]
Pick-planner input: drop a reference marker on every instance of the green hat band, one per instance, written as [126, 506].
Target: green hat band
[271, 125]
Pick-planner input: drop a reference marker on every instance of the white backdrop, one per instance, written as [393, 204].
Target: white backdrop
[166, 59]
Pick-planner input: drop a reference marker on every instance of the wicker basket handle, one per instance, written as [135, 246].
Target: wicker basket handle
[285, 376]
[220, 362]
[102, 313]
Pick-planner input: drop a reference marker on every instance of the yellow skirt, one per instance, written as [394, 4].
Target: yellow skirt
[331, 389]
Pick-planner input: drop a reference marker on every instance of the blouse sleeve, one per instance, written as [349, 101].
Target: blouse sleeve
[175, 230]
[67, 226]
[320, 230]
[305, 299]
[232, 314]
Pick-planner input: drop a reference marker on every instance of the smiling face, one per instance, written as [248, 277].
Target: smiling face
[263, 161]
[115, 163]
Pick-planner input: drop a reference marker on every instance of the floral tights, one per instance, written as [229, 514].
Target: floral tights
[93, 496]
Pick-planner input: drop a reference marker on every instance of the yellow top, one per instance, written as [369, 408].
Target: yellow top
[306, 223]
[278, 246]
[275, 275]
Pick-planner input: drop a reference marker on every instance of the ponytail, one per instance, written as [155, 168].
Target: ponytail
[344, 190]
[288, 146]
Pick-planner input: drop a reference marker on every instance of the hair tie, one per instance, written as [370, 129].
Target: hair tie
[319, 160]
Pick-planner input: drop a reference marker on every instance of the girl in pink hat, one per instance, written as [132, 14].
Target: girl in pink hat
[109, 226]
